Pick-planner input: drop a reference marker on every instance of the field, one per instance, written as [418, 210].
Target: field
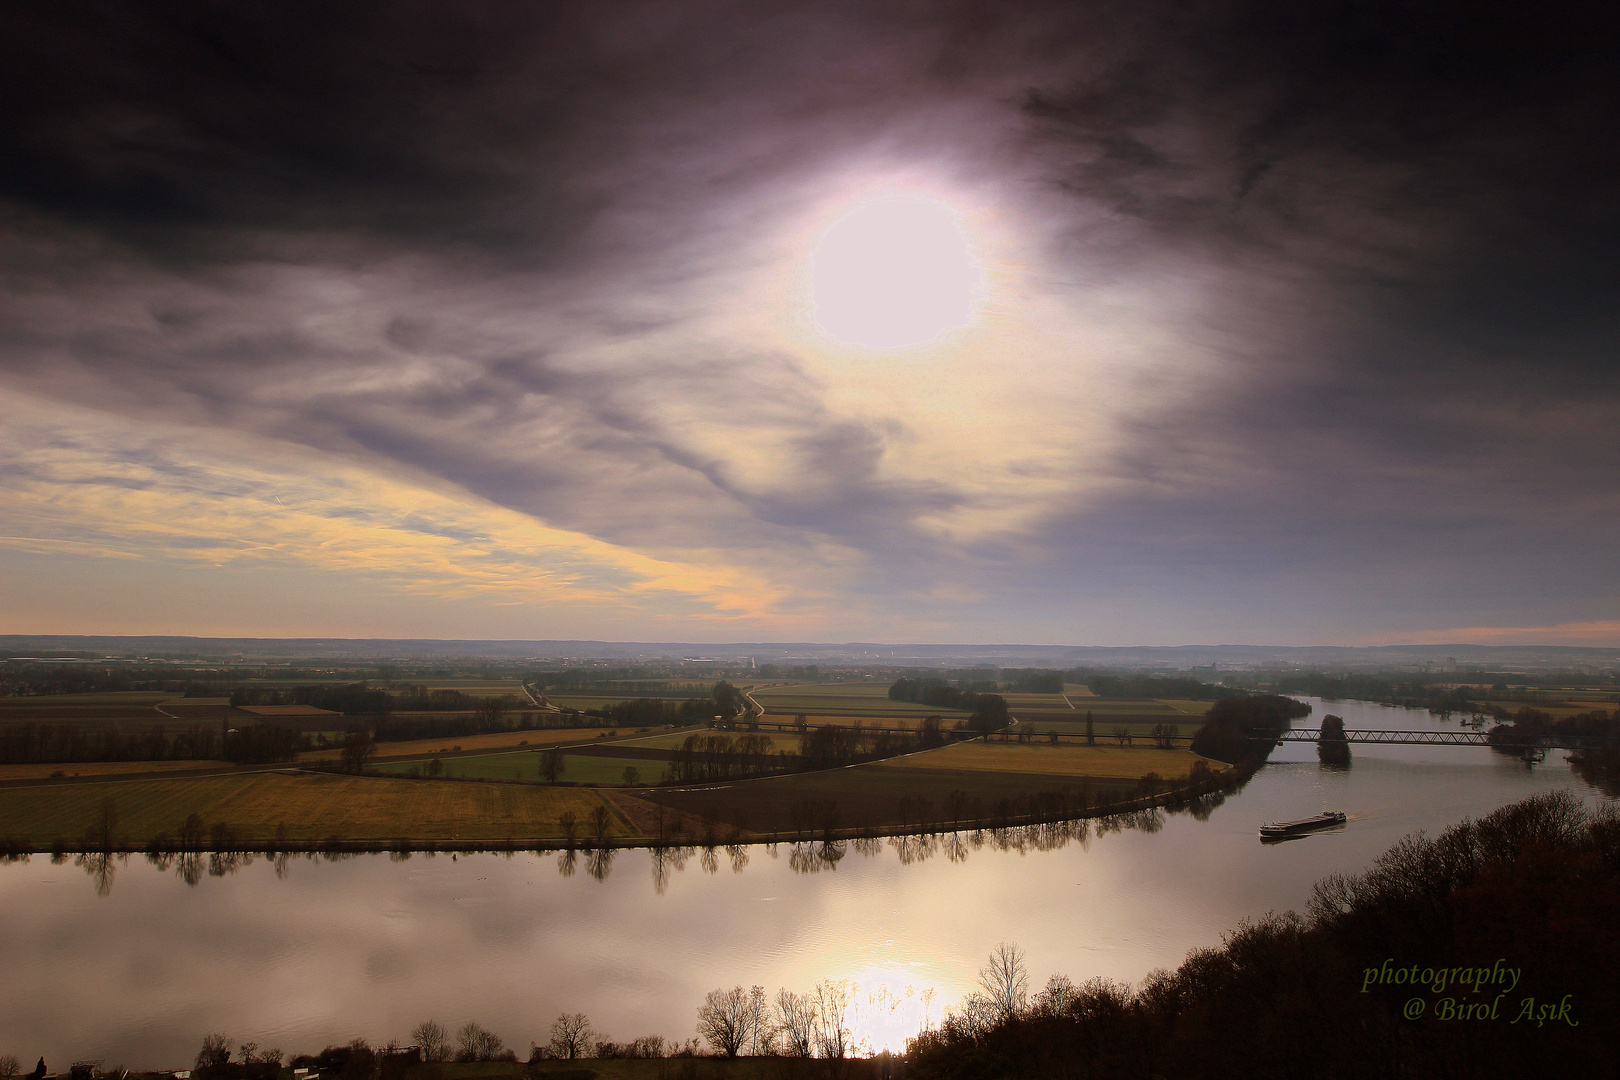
[136, 706]
[254, 806]
[578, 768]
[1119, 763]
[875, 796]
[103, 768]
[864, 699]
[973, 781]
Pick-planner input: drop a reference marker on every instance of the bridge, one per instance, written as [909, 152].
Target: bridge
[1459, 738]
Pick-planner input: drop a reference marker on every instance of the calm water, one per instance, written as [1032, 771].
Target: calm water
[312, 952]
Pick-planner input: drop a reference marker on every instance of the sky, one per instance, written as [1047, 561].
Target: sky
[1148, 322]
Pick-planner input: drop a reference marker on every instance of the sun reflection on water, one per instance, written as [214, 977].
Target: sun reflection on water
[887, 1008]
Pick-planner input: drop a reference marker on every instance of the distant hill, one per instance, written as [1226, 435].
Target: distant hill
[1176, 657]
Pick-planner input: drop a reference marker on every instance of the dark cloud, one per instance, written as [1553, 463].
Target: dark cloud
[1402, 218]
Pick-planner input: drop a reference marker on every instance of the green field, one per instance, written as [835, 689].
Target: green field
[254, 806]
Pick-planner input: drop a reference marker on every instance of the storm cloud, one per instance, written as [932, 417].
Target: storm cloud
[1301, 320]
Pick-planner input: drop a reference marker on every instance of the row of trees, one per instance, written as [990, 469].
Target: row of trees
[432, 1043]
[1530, 724]
[655, 712]
[738, 1021]
[704, 756]
[37, 743]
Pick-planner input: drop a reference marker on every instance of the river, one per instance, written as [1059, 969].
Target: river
[310, 952]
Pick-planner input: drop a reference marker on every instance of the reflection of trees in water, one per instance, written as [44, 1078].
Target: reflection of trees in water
[101, 866]
[804, 857]
[814, 857]
[913, 849]
[599, 862]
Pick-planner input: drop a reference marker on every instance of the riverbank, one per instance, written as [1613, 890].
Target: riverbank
[274, 811]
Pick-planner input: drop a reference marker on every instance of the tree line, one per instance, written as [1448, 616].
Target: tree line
[989, 710]
[33, 743]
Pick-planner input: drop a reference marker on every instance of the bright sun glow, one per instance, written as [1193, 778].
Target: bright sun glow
[895, 271]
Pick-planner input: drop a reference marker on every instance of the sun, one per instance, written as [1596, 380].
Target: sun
[893, 272]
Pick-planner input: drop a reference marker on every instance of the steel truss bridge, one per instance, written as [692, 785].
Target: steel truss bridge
[1458, 738]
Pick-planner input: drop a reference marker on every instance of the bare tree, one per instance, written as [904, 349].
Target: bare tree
[477, 1043]
[795, 1023]
[430, 1037]
[357, 750]
[1005, 981]
[1056, 998]
[725, 1020]
[10, 1066]
[600, 820]
[571, 1034]
[832, 1034]
[551, 765]
[759, 1008]
[215, 1054]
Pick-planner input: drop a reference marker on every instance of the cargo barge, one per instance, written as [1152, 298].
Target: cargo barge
[1279, 829]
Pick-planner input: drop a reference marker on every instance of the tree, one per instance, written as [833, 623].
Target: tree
[357, 750]
[107, 825]
[1332, 747]
[728, 700]
[490, 711]
[9, 1065]
[551, 765]
[215, 1055]
[477, 1043]
[571, 1034]
[1005, 981]
[430, 1037]
[1091, 731]
[435, 767]
[832, 1034]
[726, 1019]
[796, 1023]
[632, 775]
